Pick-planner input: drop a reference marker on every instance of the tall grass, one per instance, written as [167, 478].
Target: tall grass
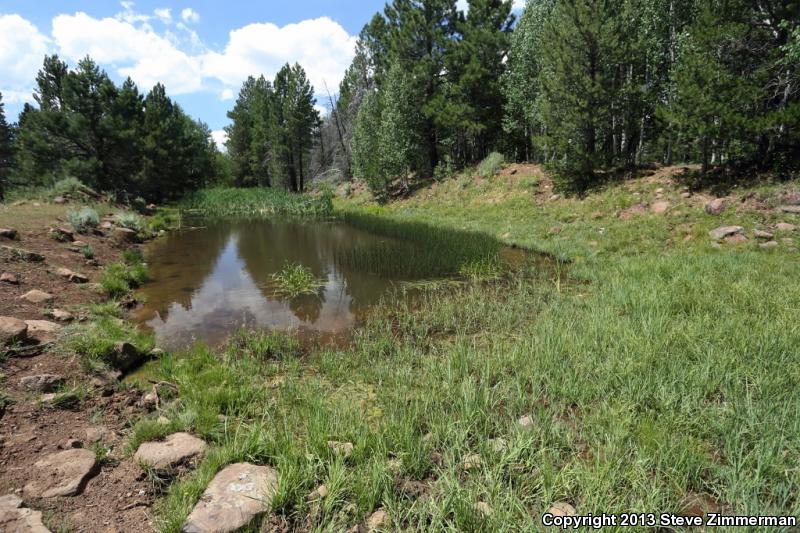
[255, 202]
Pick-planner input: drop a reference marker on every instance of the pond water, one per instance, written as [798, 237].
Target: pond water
[208, 281]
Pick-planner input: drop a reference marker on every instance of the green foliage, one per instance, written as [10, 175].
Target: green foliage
[68, 188]
[87, 252]
[96, 341]
[255, 202]
[83, 220]
[294, 280]
[491, 166]
[120, 278]
[130, 221]
[7, 135]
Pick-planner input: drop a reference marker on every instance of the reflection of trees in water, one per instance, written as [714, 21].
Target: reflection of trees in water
[307, 307]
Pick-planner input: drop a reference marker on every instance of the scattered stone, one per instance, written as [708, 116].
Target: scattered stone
[16, 518]
[156, 352]
[784, 226]
[484, 509]
[787, 240]
[106, 379]
[555, 230]
[562, 509]
[555, 197]
[344, 449]
[59, 200]
[106, 225]
[8, 233]
[61, 315]
[736, 239]
[791, 198]
[62, 234]
[8, 277]
[74, 277]
[498, 445]
[177, 449]
[716, 207]
[12, 330]
[235, 496]
[96, 434]
[660, 190]
[150, 400]
[633, 211]
[525, 421]
[62, 474]
[725, 231]
[43, 330]
[124, 235]
[41, 382]
[318, 494]
[761, 234]
[471, 462]
[125, 357]
[659, 208]
[70, 444]
[791, 209]
[24, 255]
[37, 297]
[377, 520]
[686, 194]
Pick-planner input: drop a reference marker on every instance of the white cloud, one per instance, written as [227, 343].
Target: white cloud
[22, 49]
[164, 14]
[190, 15]
[226, 94]
[220, 138]
[517, 5]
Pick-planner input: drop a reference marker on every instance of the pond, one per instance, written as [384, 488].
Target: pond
[210, 280]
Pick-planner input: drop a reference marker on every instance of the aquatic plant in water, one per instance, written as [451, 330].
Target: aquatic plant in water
[294, 280]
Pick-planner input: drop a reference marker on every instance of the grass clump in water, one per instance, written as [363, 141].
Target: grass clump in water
[255, 202]
[294, 280]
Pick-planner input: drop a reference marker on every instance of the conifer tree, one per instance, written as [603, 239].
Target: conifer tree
[6, 149]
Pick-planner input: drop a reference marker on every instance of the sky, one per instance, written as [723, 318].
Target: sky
[201, 50]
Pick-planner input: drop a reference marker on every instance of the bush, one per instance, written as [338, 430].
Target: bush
[490, 166]
[139, 205]
[68, 187]
[83, 220]
[130, 221]
[445, 169]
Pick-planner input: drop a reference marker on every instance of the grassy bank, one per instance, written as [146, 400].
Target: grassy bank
[663, 378]
[225, 202]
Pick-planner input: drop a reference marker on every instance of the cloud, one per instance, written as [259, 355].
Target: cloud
[190, 15]
[226, 94]
[164, 14]
[517, 5]
[220, 138]
[22, 48]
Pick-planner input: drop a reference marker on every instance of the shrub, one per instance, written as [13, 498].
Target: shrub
[294, 280]
[445, 169]
[87, 252]
[490, 166]
[68, 187]
[139, 205]
[130, 221]
[84, 219]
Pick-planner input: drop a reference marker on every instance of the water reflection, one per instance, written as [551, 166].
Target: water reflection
[210, 281]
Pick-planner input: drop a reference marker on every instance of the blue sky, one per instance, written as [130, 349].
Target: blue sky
[200, 49]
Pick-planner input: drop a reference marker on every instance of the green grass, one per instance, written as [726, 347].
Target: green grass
[255, 202]
[657, 368]
[95, 341]
[121, 278]
[489, 167]
[294, 280]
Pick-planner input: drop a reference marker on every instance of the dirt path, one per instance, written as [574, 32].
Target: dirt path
[115, 494]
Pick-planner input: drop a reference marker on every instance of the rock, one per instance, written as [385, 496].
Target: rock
[686, 194]
[562, 509]
[24, 255]
[783, 226]
[163, 421]
[345, 449]
[8, 233]
[106, 225]
[525, 421]
[317, 494]
[37, 297]
[72, 443]
[484, 509]
[107, 378]
[498, 445]
[125, 357]
[12, 330]
[716, 207]
[74, 277]
[61, 474]
[15, 518]
[377, 520]
[124, 235]
[659, 208]
[555, 230]
[791, 209]
[62, 234]
[235, 496]
[8, 277]
[761, 234]
[725, 231]
[150, 400]
[175, 450]
[633, 211]
[791, 198]
[156, 352]
[471, 462]
[736, 239]
[43, 330]
[59, 200]
[787, 241]
[61, 315]
[96, 434]
[41, 382]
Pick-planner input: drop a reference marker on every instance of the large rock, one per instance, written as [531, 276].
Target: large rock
[761, 234]
[22, 254]
[61, 315]
[37, 297]
[659, 208]
[41, 382]
[43, 330]
[725, 231]
[8, 277]
[62, 234]
[74, 277]
[62, 474]
[791, 198]
[716, 207]
[8, 233]
[14, 518]
[234, 497]
[126, 357]
[791, 209]
[12, 330]
[175, 450]
[125, 235]
[785, 226]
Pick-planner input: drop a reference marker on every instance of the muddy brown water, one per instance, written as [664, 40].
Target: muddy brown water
[209, 281]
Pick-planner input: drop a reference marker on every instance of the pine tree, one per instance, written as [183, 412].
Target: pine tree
[6, 150]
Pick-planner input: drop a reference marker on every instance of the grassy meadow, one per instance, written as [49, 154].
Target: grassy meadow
[654, 373]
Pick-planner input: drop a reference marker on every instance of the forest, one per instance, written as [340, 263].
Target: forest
[590, 88]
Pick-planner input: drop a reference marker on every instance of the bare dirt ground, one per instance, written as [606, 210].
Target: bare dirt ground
[118, 497]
